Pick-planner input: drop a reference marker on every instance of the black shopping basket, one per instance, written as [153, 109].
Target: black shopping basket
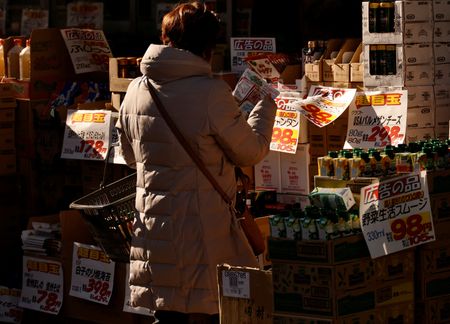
[109, 212]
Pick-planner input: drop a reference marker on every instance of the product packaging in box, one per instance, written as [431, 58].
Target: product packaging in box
[341, 65]
[267, 172]
[418, 53]
[441, 10]
[442, 116]
[418, 134]
[434, 257]
[116, 83]
[419, 75]
[442, 74]
[418, 32]
[441, 53]
[417, 11]
[395, 37]
[294, 171]
[396, 80]
[420, 117]
[441, 94]
[245, 295]
[420, 96]
[334, 198]
[336, 251]
[441, 133]
[314, 71]
[441, 31]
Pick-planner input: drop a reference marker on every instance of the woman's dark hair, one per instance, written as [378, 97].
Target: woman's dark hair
[190, 26]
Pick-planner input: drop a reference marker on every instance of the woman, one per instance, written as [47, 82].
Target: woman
[185, 229]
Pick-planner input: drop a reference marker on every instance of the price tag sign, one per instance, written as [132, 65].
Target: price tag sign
[87, 134]
[324, 104]
[395, 214]
[286, 127]
[92, 274]
[127, 302]
[89, 50]
[377, 119]
[236, 284]
[42, 285]
[241, 47]
[10, 312]
[33, 19]
[85, 14]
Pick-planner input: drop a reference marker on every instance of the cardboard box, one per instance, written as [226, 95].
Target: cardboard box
[245, 295]
[441, 133]
[418, 32]
[267, 172]
[442, 74]
[417, 11]
[441, 10]
[442, 116]
[314, 72]
[418, 134]
[383, 38]
[329, 252]
[420, 117]
[436, 285]
[356, 66]
[441, 31]
[419, 75]
[434, 257]
[117, 84]
[435, 311]
[340, 69]
[294, 172]
[440, 202]
[418, 53]
[421, 96]
[441, 53]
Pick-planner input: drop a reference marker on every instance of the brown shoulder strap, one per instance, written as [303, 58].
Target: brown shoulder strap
[185, 144]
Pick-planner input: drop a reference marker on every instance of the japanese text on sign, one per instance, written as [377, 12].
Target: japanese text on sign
[244, 46]
[88, 49]
[42, 285]
[92, 274]
[87, 134]
[324, 104]
[10, 312]
[395, 214]
[377, 119]
[286, 127]
[33, 19]
[85, 14]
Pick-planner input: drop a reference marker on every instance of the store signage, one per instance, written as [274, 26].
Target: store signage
[85, 14]
[42, 285]
[92, 274]
[286, 126]
[241, 47]
[87, 134]
[377, 119]
[33, 19]
[10, 312]
[395, 214]
[324, 104]
[127, 301]
[88, 49]
[236, 284]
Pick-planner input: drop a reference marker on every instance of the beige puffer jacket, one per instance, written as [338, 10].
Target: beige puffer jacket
[185, 229]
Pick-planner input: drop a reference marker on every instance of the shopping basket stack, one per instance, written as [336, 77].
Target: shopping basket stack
[109, 212]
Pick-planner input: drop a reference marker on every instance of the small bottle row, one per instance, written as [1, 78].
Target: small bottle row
[16, 63]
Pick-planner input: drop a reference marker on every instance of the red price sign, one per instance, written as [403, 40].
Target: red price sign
[98, 290]
[91, 146]
[48, 301]
[382, 133]
[317, 116]
[412, 228]
[283, 136]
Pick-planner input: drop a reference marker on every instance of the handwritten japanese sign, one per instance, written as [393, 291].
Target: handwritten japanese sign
[88, 49]
[87, 134]
[33, 19]
[395, 214]
[85, 14]
[286, 127]
[10, 312]
[242, 47]
[92, 274]
[377, 119]
[42, 285]
[324, 104]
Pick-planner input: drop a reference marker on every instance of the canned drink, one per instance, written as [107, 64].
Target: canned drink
[381, 60]
[386, 17]
[373, 16]
[373, 60]
[391, 59]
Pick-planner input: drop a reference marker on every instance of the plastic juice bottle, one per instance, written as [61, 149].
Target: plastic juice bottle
[341, 166]
[388, 161]
[414, 151]
[375, 163]
[355, 164]
[439, 155]
[25, 62]
[326, 165]
[365, 167]
[402, 161]
[13, 59]
[2, 58]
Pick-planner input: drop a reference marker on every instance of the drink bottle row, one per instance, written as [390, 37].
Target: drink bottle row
[16, 63]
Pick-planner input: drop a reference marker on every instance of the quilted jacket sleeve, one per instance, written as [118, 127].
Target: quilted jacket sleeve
[245, 142]
[125, 145]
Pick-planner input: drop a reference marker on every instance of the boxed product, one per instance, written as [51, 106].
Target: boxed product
[356, 66]
[418, 134]
[294, 171]
[245, 295]
[441, 31]
[314, 70]
[340, 67]
[420, 117]
[418, 32]
[375, 80]
[267, 172]
[441, 53]
[420, 96]
[417, 11]
[418, 53]
[419, 75]
[442, 74]
[395, 37]
[441, 10]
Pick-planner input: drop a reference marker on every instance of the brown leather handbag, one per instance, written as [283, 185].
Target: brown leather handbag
[246, 220]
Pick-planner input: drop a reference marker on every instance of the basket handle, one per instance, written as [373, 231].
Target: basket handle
[108, 153]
